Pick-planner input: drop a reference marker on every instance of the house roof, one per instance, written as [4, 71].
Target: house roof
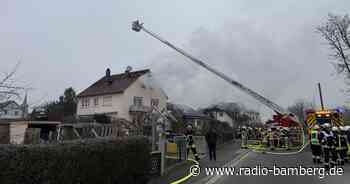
[186, 112]
[215, 109]
[118, 83]
[196, 115]
[218, 109]
[193, 114]
[7, 103]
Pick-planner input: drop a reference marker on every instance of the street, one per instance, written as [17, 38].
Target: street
[253, 159]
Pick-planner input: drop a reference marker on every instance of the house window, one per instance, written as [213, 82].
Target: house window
[16, 113]
[221, 114]
[85, 102]
[96, 101]
[138, 101]
[107, 100]
[5, 112]
[154, 102]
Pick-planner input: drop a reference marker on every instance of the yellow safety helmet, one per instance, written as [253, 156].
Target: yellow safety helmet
[326, 125]
[342, 128]
[335, 128]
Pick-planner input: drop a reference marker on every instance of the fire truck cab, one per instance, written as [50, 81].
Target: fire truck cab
[332, 116]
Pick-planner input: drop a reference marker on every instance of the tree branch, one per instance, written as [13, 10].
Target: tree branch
[8, 76]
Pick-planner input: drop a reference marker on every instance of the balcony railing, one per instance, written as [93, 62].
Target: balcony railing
[139, 108]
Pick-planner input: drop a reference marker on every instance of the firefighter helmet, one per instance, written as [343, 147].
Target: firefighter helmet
[326, 125]
[343, 128]
[286, 128]
[335, 128]
[347, 127]
[189, 127]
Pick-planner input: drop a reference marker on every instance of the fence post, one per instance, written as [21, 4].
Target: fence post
[154, 133]
[162, 150]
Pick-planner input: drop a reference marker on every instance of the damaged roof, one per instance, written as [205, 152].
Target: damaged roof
[113, 84]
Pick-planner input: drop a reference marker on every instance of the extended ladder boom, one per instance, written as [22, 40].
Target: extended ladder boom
[165, 114]
[136, 26]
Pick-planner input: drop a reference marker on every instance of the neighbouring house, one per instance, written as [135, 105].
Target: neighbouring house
[12, 132]
[196, 118]
[220, 114]
[189, 116]
[128, 96]
[27, 132]
[12, 110]
[253, 117]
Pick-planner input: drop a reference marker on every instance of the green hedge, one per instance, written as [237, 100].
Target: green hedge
[97, 161]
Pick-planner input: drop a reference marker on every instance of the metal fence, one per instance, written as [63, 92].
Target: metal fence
[155, 163]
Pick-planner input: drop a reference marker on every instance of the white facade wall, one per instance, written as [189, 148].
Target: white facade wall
[139, 89]
[224, 118]
[115, 107]
[17, 132]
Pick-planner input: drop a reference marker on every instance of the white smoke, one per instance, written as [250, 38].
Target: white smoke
[270, 62]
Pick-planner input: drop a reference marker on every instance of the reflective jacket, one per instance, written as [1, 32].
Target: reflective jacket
[341, 141]
[328, 139]
[314, 137]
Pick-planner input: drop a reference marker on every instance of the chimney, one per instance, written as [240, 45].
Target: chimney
[108, 72]
[108, 76]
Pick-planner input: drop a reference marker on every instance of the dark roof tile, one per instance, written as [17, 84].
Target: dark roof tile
[118, 84]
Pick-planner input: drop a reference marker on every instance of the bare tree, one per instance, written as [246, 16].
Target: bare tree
[299, 107]
[336, 32]
[9, 89]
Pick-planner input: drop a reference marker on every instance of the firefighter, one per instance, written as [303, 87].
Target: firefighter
[273, 138]
[244, 134]
[334, 161]
[276, 137]
[342, 145]
[316, 148]
[190, 142]
[348, 138]
[284, 136]
[264, 136]
[250, 133]
[260, 134]
[328, 142]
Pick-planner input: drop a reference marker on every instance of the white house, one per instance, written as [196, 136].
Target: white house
[220, 115]
[254, 117]
[12, 110]
[122, 96]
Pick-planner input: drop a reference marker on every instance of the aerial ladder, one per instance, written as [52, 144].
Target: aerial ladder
[322, 116]
[283, 116]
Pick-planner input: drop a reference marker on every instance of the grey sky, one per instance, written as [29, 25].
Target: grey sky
[270, 46]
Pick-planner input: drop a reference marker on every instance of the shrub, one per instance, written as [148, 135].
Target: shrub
[95, 161]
